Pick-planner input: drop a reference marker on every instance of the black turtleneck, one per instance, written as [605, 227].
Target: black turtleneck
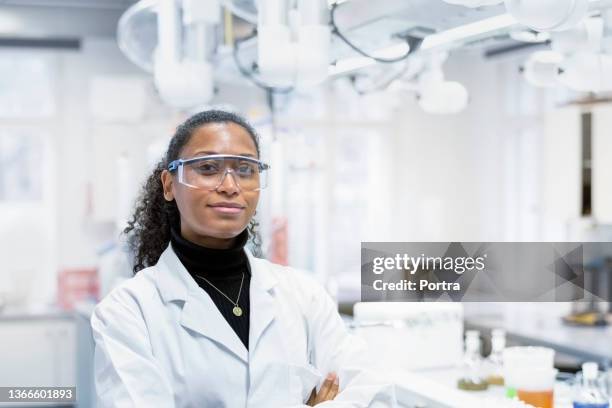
[224, 268]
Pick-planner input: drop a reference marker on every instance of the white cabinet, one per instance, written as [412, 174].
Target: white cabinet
[602, 163]
[561, 171]
[37, 352]
[563, 164]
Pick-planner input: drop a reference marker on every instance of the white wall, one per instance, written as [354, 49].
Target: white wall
[446, 176]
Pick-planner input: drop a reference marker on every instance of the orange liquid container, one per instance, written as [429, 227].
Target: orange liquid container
[540, 399]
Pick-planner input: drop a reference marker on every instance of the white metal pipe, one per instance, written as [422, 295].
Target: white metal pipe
[199, 42]
[201, 12]
[313, 12]
[168, 31]
[272, 12]
[314, 42]
[183, 82]
[275, 53]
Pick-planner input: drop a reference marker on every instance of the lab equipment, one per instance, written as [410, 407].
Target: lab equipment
[183, 73]
[587, 72]
[589, 390]
[548, 15]
[494, 363]
[543, 394]
[411, 335]
[542, 68]
[472, 379]
[592, 312]
[293, 42]
[430, 389]
[529, 374]
[436, 95]
[208, 172]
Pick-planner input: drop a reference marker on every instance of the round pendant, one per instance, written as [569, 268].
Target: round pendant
[237, 311]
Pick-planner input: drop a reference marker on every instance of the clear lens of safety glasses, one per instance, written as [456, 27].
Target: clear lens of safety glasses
[208, 172]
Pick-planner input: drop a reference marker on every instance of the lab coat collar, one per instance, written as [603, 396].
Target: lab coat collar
[199, 312]
[175, 283]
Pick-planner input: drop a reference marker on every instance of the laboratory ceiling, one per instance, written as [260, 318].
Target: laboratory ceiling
[86, 4]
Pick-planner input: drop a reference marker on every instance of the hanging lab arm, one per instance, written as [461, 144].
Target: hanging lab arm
[293, 42]
[436, 95]
[168, 26]
[200, 19]
[275, 55]
[314, 42]
[183, 73]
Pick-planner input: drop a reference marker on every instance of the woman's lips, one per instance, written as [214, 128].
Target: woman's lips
[227, 210]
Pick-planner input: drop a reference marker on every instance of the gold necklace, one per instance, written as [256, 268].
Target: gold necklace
[237, 310]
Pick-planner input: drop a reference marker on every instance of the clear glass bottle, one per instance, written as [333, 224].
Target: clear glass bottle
[494, 363]
[471, 376]
[589, 392]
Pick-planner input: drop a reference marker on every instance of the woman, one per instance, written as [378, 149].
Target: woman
[203, 323]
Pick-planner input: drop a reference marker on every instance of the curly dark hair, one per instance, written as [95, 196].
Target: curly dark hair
[148, 232]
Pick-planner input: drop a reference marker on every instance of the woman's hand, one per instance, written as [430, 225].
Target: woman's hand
[328, 391]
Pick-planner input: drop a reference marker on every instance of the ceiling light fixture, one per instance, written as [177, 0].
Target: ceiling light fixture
[542, 68]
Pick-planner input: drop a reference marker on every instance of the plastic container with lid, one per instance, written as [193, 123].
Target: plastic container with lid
[529, 374]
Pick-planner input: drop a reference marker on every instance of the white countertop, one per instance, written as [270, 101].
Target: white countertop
[81, 309]
[438, 388]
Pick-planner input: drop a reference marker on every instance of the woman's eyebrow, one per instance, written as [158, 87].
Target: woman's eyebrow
[205, 153]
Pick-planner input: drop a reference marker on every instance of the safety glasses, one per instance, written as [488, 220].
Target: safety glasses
[208, 172]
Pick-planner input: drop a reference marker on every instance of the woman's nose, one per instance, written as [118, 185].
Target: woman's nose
[228, 184]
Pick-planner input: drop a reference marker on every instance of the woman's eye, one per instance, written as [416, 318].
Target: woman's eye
[206, 169]
[245, 170]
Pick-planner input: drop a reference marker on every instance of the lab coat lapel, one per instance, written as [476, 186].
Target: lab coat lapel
[199, 313]
[263, 303]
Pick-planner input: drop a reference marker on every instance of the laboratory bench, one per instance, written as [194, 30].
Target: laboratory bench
[38, 348]
[581, 343]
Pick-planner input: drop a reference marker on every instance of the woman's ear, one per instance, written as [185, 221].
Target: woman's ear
[167, 180]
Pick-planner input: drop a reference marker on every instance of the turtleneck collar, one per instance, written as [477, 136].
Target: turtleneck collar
[211, 262]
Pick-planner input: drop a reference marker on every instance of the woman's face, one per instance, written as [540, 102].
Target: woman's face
[204, 218]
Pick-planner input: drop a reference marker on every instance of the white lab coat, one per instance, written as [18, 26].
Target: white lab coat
[161, 342]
